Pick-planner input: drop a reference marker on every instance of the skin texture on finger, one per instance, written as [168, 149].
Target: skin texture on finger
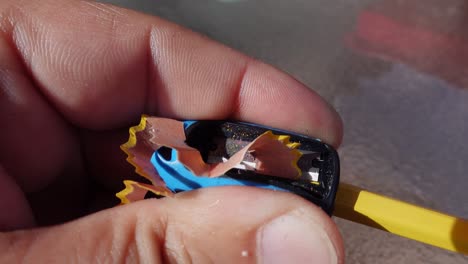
[31, 127]
[126, 63]
[209, 226]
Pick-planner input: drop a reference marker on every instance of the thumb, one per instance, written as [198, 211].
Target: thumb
[227, 224]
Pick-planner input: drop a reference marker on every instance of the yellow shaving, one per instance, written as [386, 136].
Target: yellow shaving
[122, 195]
[294, 145]
[130, 188]
[132, 141]
[291, 145]
[285, 140]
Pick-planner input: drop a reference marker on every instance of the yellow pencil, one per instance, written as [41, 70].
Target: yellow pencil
[400, 218]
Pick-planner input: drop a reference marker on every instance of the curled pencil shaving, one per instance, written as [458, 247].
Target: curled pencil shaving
[140, 149]
[136, 191]
[274, 155]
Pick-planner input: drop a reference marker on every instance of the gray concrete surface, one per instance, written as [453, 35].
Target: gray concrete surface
[405, 129]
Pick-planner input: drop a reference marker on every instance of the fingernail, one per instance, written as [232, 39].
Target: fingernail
[293, 238]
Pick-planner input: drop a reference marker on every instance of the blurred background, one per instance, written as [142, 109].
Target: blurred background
[396, 71]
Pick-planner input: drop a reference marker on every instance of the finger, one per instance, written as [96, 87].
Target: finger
[209, 226]
[116, 64]
[37, 148]
[14, 206]
[31, 127]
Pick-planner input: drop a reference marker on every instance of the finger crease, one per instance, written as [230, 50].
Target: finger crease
[236, 104]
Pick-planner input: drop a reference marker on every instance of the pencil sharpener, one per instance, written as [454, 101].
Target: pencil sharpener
[319, 162]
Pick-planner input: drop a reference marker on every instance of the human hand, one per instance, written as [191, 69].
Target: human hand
[73, 77]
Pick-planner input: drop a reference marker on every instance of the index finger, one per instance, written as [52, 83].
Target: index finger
[102, 66]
